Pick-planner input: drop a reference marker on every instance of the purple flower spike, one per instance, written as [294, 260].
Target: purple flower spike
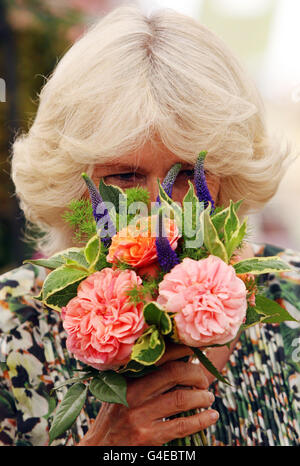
[166, 256]
[100, 212]
[202, 190]
[169, 180]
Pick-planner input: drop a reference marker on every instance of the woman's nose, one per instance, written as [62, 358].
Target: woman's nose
[178, 190]
[152, 187]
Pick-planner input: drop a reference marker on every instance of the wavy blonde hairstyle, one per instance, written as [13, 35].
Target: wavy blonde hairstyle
[130, 78]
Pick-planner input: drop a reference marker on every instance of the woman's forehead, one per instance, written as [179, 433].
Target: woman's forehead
[145, 158]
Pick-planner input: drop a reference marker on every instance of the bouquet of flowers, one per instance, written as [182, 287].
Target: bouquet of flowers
[143, 280]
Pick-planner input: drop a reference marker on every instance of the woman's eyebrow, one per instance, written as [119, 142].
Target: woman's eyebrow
[118, 166]
[129, 167]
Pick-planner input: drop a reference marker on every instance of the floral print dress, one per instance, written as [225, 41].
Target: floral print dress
[260, 407]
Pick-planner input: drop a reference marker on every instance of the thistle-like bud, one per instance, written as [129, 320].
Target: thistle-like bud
[169, 180]
[201, 187]
[100, 212]
[167, 257]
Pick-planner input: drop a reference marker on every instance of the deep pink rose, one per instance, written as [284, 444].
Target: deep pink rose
[102, 324]
[208, 298]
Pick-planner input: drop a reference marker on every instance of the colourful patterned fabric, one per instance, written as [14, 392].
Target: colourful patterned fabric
[261, 407]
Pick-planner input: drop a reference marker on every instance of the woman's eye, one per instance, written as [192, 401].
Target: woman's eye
[187, 173]
[125, 178]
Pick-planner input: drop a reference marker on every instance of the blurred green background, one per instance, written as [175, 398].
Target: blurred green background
[265, 35]
[34, 34]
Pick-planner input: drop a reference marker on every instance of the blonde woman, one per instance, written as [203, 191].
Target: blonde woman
[133, 96]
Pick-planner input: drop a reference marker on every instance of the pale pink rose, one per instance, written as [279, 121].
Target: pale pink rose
[208, 299]
[102, 324]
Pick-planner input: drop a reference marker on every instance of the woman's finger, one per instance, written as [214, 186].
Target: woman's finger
[175, 402]
[163, 379]
[174, 352]
[184, 426]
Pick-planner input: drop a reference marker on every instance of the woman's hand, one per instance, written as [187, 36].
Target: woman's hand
[150, 400]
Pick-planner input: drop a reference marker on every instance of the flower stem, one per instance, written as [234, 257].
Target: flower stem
[203, 438]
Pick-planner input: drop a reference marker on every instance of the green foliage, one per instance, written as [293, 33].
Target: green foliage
[209, 366]
[170, 206]
[74, 255]
[211, 237]
[220, 215]
[192, 229]
[134, 369]
[80, 217]
[265, 311]
[139, 294]
[234, 232]
[261, 265]
[92, 252]
[112, 194]
[149, 348]
[109, 386]
[273, 313]
[68, 410]
[58, 282]
[154, 315]
[137, 194]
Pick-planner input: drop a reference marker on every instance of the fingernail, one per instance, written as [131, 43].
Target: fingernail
[214, 415]
[211, 397]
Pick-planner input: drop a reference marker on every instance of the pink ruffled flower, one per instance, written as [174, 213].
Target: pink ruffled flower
[102, 324]
[208, 299]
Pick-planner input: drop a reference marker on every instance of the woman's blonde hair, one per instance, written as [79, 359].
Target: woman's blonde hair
[129, 79]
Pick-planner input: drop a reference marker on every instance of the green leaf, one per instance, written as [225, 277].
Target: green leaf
[236, 238]
[145, 371]
[191, 195]
[109, 386]
[68, 410]
[165, 199]
[135, 369]
[92, 250]
[155, 315]
[61, 278]
[111, 193]
[74, 254]
[79, 215]
[231, 224]
[51, 263]
[192, 225]
[260, 265]
[218, 219]
[73, 380]
[209, 365]
[142, 351]
[211, 238]
[77, 256]
[61, 298]
[252, 318]
[272, 310]
[154, 339]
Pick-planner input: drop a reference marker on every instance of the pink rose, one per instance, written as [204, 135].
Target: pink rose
[208, 299]
[102, 324]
